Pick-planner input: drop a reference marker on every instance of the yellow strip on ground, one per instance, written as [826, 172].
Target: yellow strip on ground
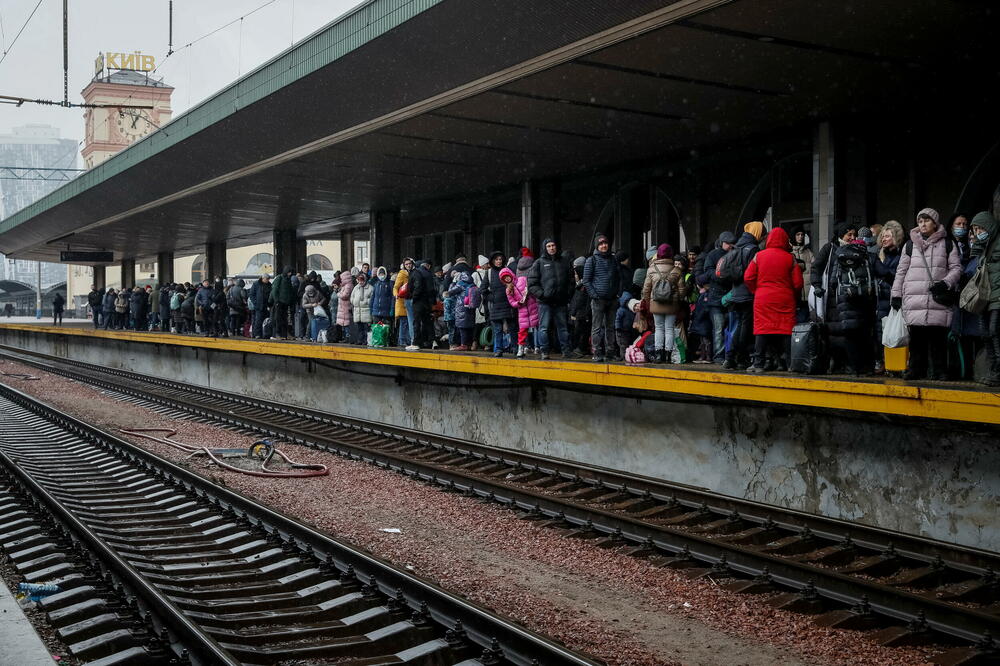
[888, 396]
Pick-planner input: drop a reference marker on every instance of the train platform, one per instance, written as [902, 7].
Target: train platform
[21, 643]
[951, 401]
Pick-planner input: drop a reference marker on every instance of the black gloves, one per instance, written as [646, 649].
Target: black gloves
[819, 292]
[939, 287]
[896, 302]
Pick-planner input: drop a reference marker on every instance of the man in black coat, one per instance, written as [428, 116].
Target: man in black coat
[551, 281]
[716, 290]
[58, 303]
[424, 295]
[95, 300]
[260, 294]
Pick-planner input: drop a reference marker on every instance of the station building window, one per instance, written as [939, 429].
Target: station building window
[198, 269]
[318, 262]
[262, 262]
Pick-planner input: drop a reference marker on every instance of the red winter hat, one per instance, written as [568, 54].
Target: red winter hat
[525, 252]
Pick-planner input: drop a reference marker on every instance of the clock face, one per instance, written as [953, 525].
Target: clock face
[134, 124]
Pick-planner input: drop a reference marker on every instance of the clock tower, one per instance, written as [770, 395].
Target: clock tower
[109, 130]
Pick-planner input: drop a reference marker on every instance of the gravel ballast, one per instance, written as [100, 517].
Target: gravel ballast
[617, 608]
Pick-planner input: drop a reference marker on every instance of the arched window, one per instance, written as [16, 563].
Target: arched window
[262, 262]
[318, 262]
[198, 269]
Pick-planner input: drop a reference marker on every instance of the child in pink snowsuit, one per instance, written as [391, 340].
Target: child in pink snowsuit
[525, 304]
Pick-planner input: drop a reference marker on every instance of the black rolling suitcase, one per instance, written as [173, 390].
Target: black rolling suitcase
[809, 349]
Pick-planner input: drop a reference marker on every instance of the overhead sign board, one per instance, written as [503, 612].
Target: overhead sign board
[81, 257]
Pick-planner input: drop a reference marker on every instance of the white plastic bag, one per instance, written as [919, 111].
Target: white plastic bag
[895, 332]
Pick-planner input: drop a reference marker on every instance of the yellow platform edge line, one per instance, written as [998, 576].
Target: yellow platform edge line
[889, 398]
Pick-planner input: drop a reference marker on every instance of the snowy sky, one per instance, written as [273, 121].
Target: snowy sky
[33, 68]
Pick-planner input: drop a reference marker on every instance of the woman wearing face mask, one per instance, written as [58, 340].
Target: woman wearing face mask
[964, 325]
[926, 279]
[985, 229]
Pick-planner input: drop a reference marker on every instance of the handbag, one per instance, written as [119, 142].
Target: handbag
[895, 332]
[946, 296]
[975, 297]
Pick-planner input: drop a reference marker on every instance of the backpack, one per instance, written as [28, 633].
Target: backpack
[854, 275]
[472, 298]
[733, 265]
[663, 290]
[380, 335]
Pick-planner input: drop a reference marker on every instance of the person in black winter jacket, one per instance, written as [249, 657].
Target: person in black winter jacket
[260, 294]
[579, 312]
[137, 308]
[602, 280]
[850, 321]
[716, 290]
[494, 293]
[424, 295]
[165, 307]
[738, 356]
[551, 282]
[95, 299]
[215, 321]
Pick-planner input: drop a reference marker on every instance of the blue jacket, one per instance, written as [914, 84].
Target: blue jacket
[204, 298]
[601, 277]
[465, 317]
[748, 245]
[259, 294]
[382, 300]
[624, 318]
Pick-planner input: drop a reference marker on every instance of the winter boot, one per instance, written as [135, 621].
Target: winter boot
[520, 351]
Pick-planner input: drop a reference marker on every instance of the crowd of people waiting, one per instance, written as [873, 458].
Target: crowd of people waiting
[734, 304]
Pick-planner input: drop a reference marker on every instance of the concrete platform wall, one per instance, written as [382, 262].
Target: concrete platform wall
[939, 480]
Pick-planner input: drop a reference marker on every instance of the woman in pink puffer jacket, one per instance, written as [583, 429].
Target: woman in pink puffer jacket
[345, 313]
[927, 269]
[524, 302]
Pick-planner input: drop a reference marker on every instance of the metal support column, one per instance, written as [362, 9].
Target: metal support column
[385, 250]
[215, 260]
[289, 251]
[529, 214]
[128, 273]
[824, 199]
[346, 250]
[165, 268]
[100, 278]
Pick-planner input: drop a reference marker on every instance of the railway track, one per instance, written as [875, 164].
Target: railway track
[848, 574]
[156, 565]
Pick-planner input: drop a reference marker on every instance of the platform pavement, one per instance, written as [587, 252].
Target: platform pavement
[949, 401]
[19, 643]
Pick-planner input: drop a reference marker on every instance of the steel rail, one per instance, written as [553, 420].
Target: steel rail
[968, 624]
[517, 644]
[202, 648]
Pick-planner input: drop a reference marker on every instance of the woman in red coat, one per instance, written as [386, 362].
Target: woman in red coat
[775, 279]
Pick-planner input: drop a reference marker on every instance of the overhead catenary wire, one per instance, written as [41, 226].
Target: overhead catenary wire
[14, 41]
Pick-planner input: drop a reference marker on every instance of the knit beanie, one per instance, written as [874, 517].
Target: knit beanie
[650, 253]
[523, 264]
[526, 252]
[929, 212]
[755, 229]
[639, 276]
[621, 255]
[664, 251]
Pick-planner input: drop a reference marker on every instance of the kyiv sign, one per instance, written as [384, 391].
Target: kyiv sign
[133, 61]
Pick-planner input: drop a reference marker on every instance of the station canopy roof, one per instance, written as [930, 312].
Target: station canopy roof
[403, 101]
